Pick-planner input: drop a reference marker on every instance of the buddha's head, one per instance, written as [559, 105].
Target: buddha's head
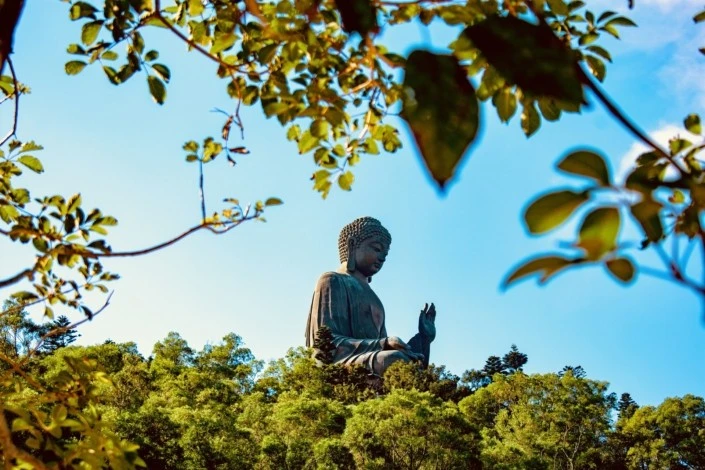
[363, 245]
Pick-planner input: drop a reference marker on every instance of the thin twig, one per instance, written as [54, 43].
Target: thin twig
[15, 116]
[58, 331]
[622, 118]
[191, 43]
[201, 192]
[686, 255]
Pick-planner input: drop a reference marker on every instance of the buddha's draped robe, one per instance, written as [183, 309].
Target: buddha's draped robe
[355, 316]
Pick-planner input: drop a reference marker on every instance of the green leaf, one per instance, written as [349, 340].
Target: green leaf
[546, 266]
[599, 231]
[358, 16]
[648, 214]
[345, 180]
[151, 55]
[223, 42]
[699, 17]
[558, 7]
[89, 32]
[156, 89]
[588, 164]
[191, 146]
[293, 132]
[530, 119]
[163, 71]
[32, 163]
[74, 67]
[551, 210]
[8, 213]
[307, 142]
[621, 21]
[506, 103]
[692, 123]
[441, 108]
[597, 67]
[529, 56]
[75, 49]
[111, 74]
[195, 7]
[109, 55]
[319, 128]
[602, 52]
[73, 204]
[621, 268]
[273, 201]
[82, 10]
[275, 108]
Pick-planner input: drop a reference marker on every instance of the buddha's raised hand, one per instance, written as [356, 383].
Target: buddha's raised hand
[427, 321]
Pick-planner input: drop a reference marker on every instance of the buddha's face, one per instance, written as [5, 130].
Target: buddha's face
[370, 256]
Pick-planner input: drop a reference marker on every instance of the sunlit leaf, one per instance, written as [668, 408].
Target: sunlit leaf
[692, 123]
[89, 32]
[530, 119]
[32, 163]
[586, 163]
[74, 67]
[551, 210]
[345, 180]
[441, 108]
[599, 231]
[156, 89]
[544, 266]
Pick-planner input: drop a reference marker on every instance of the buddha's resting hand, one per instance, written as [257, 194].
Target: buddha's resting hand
[427, 322]
[394, 342]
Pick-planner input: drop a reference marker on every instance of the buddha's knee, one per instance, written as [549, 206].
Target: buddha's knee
[390, 357]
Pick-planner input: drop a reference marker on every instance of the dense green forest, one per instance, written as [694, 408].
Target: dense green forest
[221, 408]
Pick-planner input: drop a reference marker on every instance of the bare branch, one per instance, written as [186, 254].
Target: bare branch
[15, 116]
[16, 278]
[73, 326]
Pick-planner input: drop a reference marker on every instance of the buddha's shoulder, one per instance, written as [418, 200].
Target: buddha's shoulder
[334, 278]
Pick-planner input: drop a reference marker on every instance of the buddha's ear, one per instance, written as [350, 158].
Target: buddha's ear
[352, 242]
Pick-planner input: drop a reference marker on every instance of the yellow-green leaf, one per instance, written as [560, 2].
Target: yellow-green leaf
[90, 31]
[32, 163]
[545, 266]
[599, 231]
[74, 67]
[345, 180]
[156, 89]
[692, 123]
[588, 164]
[621, 268]
[551, 210]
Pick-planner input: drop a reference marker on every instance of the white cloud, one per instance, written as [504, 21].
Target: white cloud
[661, 136]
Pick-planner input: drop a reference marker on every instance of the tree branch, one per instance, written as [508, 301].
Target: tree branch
[182, 36]
[16, 278]
[10, 451]
[13, 130]
[58, 331]
[623, 119]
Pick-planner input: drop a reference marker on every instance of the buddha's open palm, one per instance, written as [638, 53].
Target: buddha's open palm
[427, 321]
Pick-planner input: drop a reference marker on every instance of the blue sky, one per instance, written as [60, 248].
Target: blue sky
[123, 153]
